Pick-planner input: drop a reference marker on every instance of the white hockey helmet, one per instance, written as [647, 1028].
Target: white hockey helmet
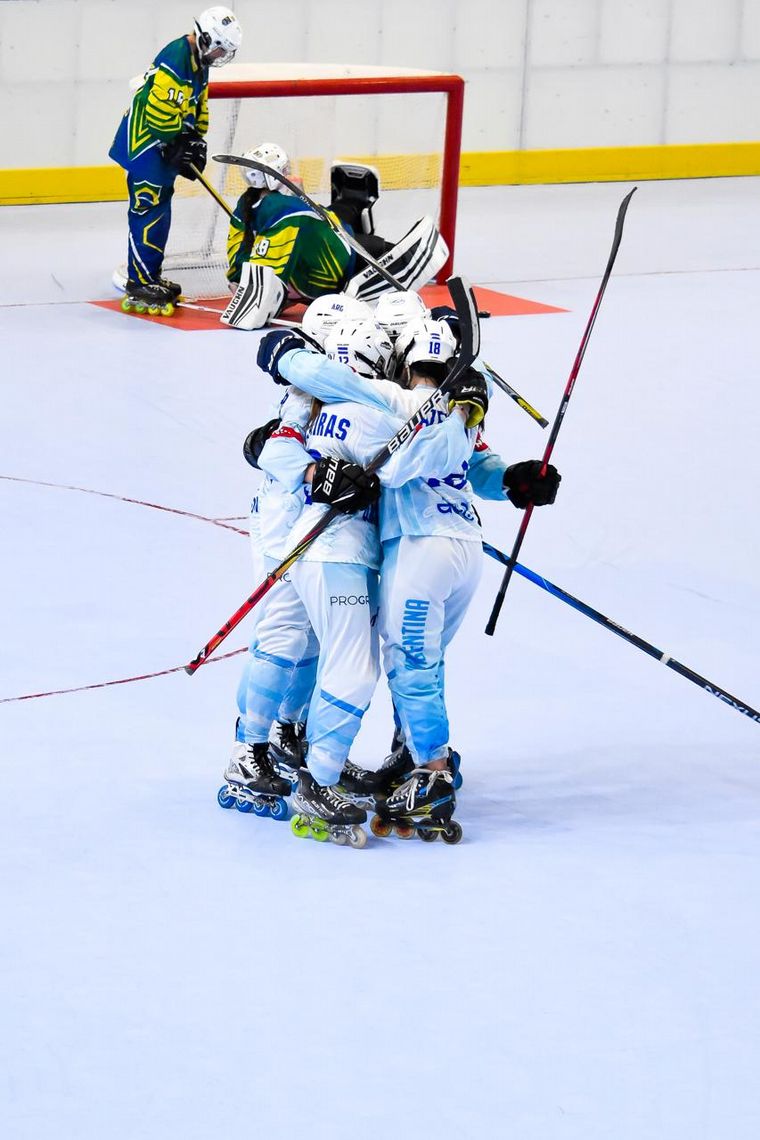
[397, 310]
[273, 155]
[326, 313]
[364, 347]
[218, 35]
[425, 341]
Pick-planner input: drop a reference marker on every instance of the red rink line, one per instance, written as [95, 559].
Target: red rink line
[139, 503]
[123, 499]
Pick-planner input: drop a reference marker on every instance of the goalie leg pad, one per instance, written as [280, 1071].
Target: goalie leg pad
[258, 298]
[354, 189]
[413, 261]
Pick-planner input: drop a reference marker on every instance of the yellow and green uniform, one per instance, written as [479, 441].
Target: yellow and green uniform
[172, 96]
[279, 231]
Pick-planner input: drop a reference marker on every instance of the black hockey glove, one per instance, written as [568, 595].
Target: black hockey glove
[255, 440]
[185, 149]
[524, 483]
[471, 393]
[346, 486]
[449, 315]
[273, 347]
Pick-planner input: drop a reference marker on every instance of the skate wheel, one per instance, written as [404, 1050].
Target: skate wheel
[299, 826]
[404, 830]
[340, 838]
[126, 305]
[225, 798]
[279, 810]
[379, 827]
[260, 809]
[245, 806]
[319, 832]
[427, 835]
[357, 837]
[167, 310]
[140, 307]
[452, 832]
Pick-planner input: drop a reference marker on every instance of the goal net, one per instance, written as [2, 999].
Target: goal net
[405, 123]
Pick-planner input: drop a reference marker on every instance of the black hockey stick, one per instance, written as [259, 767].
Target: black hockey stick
[491, 626]
[467, 311]
[336, 227]
[632, 638]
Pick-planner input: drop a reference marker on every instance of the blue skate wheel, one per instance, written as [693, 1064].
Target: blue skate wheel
[224, 798]
[279, 810]
[260, 808]
[245, 806]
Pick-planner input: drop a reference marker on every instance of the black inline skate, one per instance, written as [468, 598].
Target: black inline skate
[325, 813]
[252, 783]
[423, 805]
[287, 747]
[156, 298]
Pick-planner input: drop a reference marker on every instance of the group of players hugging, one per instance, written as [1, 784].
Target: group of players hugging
[394, 574]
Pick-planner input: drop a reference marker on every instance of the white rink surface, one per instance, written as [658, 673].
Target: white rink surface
[584, 966]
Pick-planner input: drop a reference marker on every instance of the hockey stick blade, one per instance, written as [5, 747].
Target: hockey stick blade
[709, 687]
[558, 419]
[467, 312]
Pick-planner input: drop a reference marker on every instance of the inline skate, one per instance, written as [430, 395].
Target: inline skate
[325, 813]
[154, 298]
[252, 783]
[423, 805]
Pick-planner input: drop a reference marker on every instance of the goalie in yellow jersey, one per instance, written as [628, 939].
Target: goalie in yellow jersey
[162, 135]
[279, 249]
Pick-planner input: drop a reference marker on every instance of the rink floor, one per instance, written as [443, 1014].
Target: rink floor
[584, 965]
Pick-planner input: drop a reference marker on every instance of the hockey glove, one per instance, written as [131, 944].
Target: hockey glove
[346, 486]
[255, 440]
[449, 315]
[525, 484]
[184, 149]
[273, 347]
[470, 392]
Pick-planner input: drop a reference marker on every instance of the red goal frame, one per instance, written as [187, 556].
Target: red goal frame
[452, 86]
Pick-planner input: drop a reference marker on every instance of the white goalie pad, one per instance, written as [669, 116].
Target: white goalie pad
[413, 261]
[257, 299]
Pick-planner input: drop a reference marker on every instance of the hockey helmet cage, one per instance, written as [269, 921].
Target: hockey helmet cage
[218, 35]
[331, 310]
[397, 310]
[273, 155]
[364, 347]
[425, 342]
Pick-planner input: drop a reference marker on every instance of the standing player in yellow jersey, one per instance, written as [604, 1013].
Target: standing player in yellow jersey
[160, 136]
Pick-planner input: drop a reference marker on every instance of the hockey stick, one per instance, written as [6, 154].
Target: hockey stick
[632, 638]
[358, 248]
[491, 626]
[207, 186]
[286, 324]
[467, 311]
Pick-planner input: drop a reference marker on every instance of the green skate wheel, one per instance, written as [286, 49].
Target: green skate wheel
[300, 826]
[167, 310]
[319, 831]
[126, 305]
[379, 827]
[452, 832]
[357, 837]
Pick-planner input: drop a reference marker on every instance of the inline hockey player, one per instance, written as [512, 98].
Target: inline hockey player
[160, 136]
[336, 577]
[432, 556]
[279, 249]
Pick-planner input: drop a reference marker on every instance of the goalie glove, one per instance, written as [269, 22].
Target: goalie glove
[525, 484]
[344, 485]
[470, 392]
[253, 444]
[272, 348]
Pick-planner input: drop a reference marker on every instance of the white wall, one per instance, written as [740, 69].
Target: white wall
[541, 73]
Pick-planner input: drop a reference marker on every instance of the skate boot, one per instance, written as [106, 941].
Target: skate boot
[172, 286]
[393, 772]
[324, 813]
[287, 747]
[252, 783]
[153, 298]
[359, 784]
[424, 805]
